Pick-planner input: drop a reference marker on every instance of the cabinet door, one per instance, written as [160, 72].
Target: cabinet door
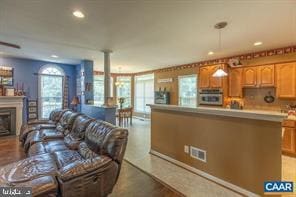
[266, 76]
[215, 82]
[250, 77]
[204, 77]
[286, 79]
[288, 141]
[235, 82]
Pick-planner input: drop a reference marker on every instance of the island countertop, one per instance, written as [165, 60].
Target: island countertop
[249, 114]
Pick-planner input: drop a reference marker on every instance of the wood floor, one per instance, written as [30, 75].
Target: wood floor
[131, 182]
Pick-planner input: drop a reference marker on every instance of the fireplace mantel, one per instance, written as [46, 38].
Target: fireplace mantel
[18, 103]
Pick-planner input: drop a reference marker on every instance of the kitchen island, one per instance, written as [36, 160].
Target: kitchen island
[242, 147]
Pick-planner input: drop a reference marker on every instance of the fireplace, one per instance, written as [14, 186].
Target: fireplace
[7, 121]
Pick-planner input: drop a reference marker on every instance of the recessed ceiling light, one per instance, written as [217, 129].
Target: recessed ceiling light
[258, 43]
[54, 56]
[210, 53]
[78, 14]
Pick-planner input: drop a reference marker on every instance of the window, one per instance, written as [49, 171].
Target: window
[99, 89]
[144, 92]
[124, 90]
[50, 92]
[187, 90]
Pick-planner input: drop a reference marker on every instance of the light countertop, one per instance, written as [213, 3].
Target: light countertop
[248, 114]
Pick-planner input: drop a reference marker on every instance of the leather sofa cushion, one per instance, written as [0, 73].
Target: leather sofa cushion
[81, 167]
[47, 147]
[28, 169]
[42, 135]
[66, 157]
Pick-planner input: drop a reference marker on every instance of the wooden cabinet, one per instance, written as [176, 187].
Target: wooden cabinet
[206, 80]
[286, 80]
[265, 75]
[235, 82]
[289, 137]
[250, 77]
[258, 76]
[204, 77]
[215, 82]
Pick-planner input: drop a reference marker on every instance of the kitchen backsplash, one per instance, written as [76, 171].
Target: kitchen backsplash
[254, 99]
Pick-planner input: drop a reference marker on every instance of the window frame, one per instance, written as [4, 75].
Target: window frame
[111, 87]
[118, 88]
[179, 89]
[40, 75]
[135, 93]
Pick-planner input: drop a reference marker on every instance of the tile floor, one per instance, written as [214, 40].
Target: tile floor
[182, 180]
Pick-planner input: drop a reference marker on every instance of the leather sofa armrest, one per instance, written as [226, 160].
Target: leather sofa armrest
[30, 122]
[81, 167]
[51, 135]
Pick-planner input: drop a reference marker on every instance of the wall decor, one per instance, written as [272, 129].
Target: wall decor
[32, 103]
[6, 76]
[32, 109]
[167, 80]
[9, 91]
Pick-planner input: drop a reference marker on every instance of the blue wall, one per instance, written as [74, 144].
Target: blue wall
[24, 70]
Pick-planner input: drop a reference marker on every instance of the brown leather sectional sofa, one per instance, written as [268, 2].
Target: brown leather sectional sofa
[68, 155]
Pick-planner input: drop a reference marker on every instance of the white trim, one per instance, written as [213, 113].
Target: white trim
[204, 174]
[39, 85]
[17, 102]
[51, 66]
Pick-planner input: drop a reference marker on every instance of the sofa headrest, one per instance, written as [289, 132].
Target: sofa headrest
[56, 114]
[106, 139]
[79, 126]
[66, 122]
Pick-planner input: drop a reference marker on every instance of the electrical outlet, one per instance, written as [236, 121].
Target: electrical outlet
[186, 149]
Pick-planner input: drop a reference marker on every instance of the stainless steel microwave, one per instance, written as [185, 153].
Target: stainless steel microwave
[211, 97]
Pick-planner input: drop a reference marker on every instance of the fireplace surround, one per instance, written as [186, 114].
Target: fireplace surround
[16, 117]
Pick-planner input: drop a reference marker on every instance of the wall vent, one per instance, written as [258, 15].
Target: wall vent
[198, 154]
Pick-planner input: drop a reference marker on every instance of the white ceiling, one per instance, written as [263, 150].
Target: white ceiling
[143, 35]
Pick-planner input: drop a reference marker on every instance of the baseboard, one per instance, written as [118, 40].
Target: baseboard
[141, 118]
[206, 175]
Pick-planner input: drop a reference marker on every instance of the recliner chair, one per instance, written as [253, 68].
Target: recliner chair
[62, 128]
[92, 170]
[33, 125]
[70, 141]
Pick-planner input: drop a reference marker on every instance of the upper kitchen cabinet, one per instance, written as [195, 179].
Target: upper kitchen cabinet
[250, 77]
[258, 76]
[235, 82]
[265, 76]
[215, 82]
[204, 77]
[206, 80]
[286, 80]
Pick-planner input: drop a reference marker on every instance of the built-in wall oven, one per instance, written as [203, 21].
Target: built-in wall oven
[211, 97]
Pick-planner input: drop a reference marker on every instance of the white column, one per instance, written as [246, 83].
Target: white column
[107, 76]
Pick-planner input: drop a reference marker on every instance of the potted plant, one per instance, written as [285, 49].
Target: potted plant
[121, 101]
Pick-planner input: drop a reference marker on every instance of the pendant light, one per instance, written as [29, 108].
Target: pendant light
[220, 72]
[119, 84]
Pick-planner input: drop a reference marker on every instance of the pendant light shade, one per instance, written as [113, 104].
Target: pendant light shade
[219, 73]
